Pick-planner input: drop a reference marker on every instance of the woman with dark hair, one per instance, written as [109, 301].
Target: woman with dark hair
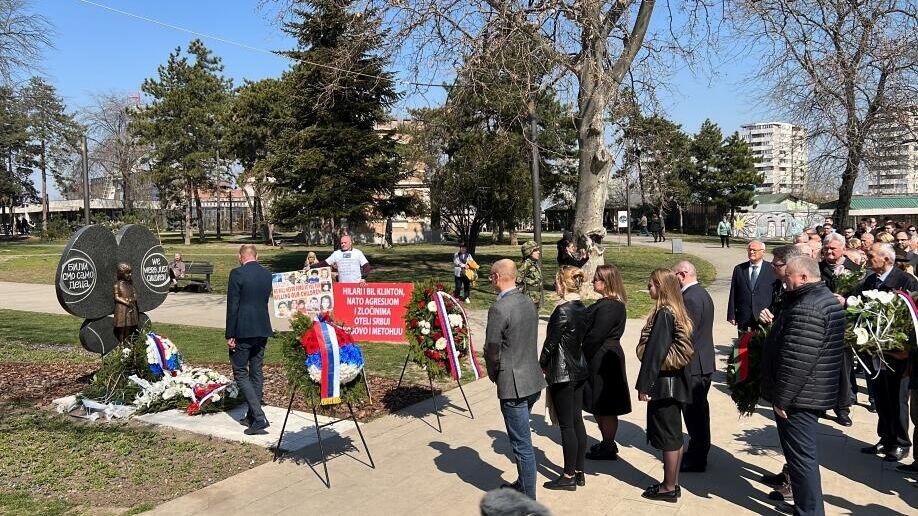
[566, 372]
[606, 394]
[570, 256]
[663, 381]
[326, 303]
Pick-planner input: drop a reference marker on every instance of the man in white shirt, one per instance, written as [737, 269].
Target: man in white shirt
[351, 264]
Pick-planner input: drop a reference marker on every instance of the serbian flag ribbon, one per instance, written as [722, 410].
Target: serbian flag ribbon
[452, 353]
[160, 353]
[741, 357]
[912, 310]
[330, 386]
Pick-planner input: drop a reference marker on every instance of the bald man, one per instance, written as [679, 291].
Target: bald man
[512, 357]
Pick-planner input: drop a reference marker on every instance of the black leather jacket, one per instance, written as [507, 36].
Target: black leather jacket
[562, 357]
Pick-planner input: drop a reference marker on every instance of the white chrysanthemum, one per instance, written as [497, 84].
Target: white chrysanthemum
[440, 344]
[862, 336]
[431, 306]
[455, 320]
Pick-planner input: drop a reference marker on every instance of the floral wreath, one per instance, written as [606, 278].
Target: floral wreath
[436, 327]
[162, 356]
[744, 369]
[332, 364]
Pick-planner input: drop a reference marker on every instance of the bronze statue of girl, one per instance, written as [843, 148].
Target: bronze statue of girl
[126, 317]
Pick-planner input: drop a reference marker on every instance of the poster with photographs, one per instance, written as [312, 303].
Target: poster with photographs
[308, 292]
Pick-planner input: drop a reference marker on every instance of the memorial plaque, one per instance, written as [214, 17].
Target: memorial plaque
[98, 335]
[138, 247]
[86, 273]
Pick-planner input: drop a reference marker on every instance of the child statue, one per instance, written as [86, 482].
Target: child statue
[125, 305]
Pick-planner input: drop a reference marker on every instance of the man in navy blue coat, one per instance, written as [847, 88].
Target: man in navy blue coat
[750, 288]
[248, 327]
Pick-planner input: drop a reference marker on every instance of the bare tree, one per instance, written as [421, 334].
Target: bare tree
[837, 67]
[23, 37]
[115, 149]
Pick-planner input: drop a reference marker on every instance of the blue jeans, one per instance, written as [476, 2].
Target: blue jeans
[516, 416]
[799, 444]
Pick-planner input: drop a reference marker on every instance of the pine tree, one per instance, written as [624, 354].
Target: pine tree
[329, 161]
[182, 127]
[53, 134]
[736, 177]
[16, 154]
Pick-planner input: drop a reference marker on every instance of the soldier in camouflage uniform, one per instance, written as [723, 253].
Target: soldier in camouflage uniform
[529, 275]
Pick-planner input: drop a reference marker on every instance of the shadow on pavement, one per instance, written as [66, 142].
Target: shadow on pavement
[466, 463]
[501, 444]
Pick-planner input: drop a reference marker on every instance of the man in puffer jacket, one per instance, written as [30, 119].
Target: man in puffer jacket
[801, 363]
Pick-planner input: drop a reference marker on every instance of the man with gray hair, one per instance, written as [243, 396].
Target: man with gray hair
[750, 288]
[801, 363]
[890, 388]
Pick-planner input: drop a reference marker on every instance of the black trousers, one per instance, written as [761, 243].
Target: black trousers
[567, 398]
[697, 416]
[462, 282]
[247, 360]
[845, 381]
[724, 240]
[797, 434]
[891, 398]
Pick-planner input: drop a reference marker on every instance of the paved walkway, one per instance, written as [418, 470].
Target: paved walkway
[422, 471]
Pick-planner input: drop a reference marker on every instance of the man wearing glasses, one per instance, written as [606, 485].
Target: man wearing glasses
[750, 288]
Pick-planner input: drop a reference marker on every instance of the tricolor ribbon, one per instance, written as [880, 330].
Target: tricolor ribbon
[452, 353]
[330, 385]
[741, 357]
[161, 353]
[203, 393]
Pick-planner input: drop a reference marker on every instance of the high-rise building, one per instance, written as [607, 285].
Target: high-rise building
[893, 167]
[781, 153]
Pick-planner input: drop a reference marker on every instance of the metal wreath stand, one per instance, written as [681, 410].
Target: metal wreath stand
[315, 418]
[433, 393]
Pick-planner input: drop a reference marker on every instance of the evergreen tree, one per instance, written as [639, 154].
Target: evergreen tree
[706, 148]
[53, 134]
[16, 154]
[736, 177]
[329, 161]
[181, 126]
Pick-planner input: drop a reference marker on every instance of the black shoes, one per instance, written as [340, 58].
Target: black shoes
[516, 486]
[876, 449]
[257, 428]
[782, 493]
[775, 479]
[908, 468]
[602, 452]
[580, 478]
[247, 420]
[895, 454]
[653, 493]
[844, 420]
[562, 483]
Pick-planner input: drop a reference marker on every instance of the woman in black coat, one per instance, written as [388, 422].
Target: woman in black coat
[565, 371]
[665, 391]
[606, 394]
[568, 255]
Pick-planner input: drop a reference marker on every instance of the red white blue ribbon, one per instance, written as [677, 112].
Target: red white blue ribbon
[161, 353]
[452, 353]
[330, 384]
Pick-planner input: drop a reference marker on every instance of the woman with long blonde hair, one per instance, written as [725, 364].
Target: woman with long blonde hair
[664, 350]
[566, 372]
[606, 394]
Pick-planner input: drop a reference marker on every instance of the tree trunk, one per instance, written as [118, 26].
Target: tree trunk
[44, 191]
[127, 190]
[514, 238]
[595, 164]
[188, 195]
[200, 213]
[849, 177]
[387, 238]
[471, 239]
[681, 224]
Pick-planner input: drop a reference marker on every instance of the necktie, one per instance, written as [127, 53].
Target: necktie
[754, 275]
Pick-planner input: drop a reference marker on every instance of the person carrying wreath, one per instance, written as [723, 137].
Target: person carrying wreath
[606, 394]
[665, 349]
[565, 370]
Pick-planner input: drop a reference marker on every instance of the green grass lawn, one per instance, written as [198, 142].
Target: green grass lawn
[36, 263]
[52, 464]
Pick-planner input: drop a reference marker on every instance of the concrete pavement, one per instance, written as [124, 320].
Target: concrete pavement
[421, 471]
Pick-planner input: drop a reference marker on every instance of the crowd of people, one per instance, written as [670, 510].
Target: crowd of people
[806, 368]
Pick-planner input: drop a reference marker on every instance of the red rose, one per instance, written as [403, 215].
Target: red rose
[435, 355]
[439, 286]
[428, 292]
[414, 324]
[429, 353]
[421, 304]
[310, 343]
[436, 336]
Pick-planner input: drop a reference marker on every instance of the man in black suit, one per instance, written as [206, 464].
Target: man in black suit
[833, 265]
[891, 385]
[750, 288]
[697, 414]
[248, 327]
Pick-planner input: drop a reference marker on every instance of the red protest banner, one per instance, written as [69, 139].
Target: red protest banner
[374, 312]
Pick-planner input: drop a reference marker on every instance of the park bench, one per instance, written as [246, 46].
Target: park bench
[197, 273]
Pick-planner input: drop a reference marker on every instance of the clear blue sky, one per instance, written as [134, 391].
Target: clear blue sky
[101, 51]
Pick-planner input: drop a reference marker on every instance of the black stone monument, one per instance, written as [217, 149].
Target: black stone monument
[87, 272]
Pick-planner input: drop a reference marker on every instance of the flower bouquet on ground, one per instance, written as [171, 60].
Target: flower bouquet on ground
[744, 370]
[189, 390]
[323, 362]
[881, 322]
[437, 330]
